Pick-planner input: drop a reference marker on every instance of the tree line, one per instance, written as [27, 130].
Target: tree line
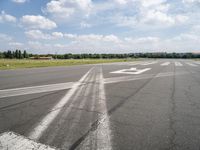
[19, 54]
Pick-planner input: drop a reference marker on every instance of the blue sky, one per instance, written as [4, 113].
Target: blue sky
[100, 26]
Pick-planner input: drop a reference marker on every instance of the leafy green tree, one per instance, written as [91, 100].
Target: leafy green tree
[25, 54]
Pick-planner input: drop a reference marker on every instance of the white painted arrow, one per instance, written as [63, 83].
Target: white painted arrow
[131, 71]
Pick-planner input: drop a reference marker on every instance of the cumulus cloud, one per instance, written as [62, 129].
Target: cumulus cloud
[140, 13]
[166, 24]
[121, 13]
[37, 34]
[96, 42]
[93, 37]
[57, 35]
[148, 3]
[37, 22]
[156, 12]
[121, 2]
[40, 35]
[143, 40]
[63, 9]
[4, 17]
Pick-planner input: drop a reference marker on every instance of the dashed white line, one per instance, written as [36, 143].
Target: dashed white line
[191, 64]
[178, 64]
[165, 64]
[148, 63]
[49, 118]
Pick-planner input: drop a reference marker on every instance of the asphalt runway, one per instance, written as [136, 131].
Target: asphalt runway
[142, 105]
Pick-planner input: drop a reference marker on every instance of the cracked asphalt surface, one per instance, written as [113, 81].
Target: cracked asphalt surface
[155, 113]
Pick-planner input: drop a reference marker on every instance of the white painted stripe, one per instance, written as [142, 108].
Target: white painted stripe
[101, 137]
[178, 64]
[103, 130]
[49, 118]
[133, 63]
[81, 92]
[165, 64]
[141, 77]
[148, 63]
[191, 64]
[13, 141]
[128, 63]
[35, 89]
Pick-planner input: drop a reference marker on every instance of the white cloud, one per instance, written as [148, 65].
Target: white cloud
[111, 38]
[143, 40]
[97, 43]
[4, 17]
[149, 3]
[93, 37]
[37, 34]
[162, 18]
[142, 14]
[156, 12]
[126, 13]
[122, 2]
[57, 35]
[190, 1]
[63, 9]
[70, 36]
[158, 17]
[37, 22]
[19, 1]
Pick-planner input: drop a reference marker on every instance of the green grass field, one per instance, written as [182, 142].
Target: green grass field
[16, 64]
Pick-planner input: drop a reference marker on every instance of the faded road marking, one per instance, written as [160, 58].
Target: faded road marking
[148, 63]
[49, 118]
[101, 137]
[35, 89]
[178, 64]
[12, 141]
[103, 130]
[165, 64]
[191, 64]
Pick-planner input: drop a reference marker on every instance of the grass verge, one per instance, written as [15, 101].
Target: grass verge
[16, 64]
